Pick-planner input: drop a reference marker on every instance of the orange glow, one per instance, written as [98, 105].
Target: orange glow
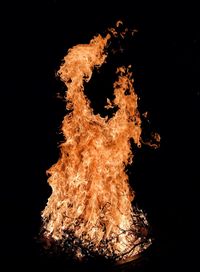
[91, 198]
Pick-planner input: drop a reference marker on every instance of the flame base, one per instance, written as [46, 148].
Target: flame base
[83, 249]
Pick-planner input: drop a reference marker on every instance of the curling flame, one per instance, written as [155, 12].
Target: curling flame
[91, 198]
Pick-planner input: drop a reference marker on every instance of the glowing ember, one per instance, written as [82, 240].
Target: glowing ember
[90, 210]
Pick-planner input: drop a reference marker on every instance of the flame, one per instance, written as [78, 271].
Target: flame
[91, 201]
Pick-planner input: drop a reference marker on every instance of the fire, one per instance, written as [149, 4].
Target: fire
[90, 208]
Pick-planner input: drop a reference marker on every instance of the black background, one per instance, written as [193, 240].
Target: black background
[165, 58]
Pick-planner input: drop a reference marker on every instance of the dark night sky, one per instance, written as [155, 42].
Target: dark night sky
[165, 58]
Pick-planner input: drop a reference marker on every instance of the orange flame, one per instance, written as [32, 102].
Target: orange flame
[91, 197]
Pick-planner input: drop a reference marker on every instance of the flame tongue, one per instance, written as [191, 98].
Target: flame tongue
[91, 198]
